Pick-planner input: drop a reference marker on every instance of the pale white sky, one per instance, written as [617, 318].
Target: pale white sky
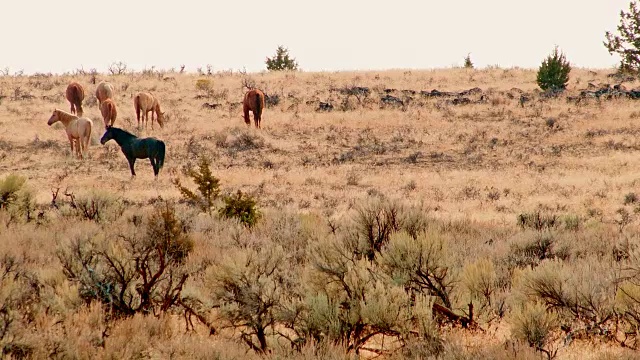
[63, 35]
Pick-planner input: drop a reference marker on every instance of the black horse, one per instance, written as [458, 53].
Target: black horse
[136, 148]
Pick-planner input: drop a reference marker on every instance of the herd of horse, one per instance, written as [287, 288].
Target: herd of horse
[79, 128]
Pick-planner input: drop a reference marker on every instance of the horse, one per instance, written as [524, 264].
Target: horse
[254, 101]
[136, 148]
[78, 130]
[146, 102]
[109, 112]
[75, 95]
[104, 91]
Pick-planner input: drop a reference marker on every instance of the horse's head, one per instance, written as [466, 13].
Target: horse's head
[161, 119]
[54, 118]
[108, 135]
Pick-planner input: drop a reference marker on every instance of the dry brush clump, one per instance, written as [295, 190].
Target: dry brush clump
[132, 271]
[386, 272]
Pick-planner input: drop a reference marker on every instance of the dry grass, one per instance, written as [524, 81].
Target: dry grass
[484, 161]
[474, 168]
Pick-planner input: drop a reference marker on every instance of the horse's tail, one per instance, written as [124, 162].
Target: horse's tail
[258, 111]
[77, 95]
[136, 104]
[79, 110]
[160, 154]
[87, 134]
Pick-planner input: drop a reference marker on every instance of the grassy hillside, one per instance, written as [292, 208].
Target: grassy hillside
[521, 204]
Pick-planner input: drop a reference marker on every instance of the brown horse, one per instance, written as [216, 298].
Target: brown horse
[254, 101]
[78, 130]
[104, 91]
[109, 112]
[75, 95]
[145, 102]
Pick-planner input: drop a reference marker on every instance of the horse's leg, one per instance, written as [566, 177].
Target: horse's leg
[70, 143]
[152, 118]
[132, 162]
[154, 165]
[247, 119]
[85, 144]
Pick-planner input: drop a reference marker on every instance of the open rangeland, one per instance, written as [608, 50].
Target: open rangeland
[376, 201]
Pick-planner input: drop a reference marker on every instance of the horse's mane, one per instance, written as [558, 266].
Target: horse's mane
[119, 131]
[65, 113]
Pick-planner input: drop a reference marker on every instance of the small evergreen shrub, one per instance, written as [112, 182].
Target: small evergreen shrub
[468, 64]
[242, 207]
[553, 73]
[208, 185]
[281, 60]
[626, 43]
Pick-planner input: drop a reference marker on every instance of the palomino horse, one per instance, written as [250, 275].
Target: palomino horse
[78, 130]
[104, 91]
[109, 112]
[135, 148]
[145, 102]
[254, 101]
[75, 95]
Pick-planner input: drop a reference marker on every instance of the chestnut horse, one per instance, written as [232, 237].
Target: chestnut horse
[254, 101]
[109, 112]
[75, 95]
[145, 102]
[78, 130]
[104, 91]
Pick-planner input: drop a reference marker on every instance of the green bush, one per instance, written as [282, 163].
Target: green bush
[468, 64]
[242, 207]
[534, 325]
[281, 60]
[17, 199]
[10, 188]
[627, 43]
[208, 185]
[553, 73]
